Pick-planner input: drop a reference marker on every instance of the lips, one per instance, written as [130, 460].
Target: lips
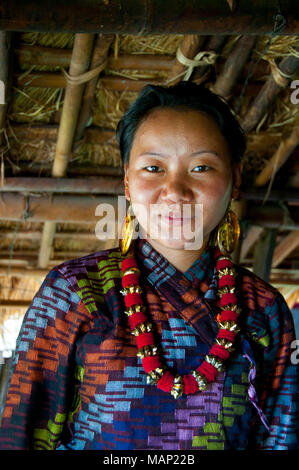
[175, 220]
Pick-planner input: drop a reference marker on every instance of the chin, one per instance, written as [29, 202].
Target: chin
[180, 244]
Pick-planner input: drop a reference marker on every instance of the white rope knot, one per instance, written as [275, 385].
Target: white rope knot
[202, 58]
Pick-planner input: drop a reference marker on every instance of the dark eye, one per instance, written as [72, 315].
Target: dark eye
[201, 168]
[153, 168]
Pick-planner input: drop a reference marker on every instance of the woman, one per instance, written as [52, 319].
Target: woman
[208, 364]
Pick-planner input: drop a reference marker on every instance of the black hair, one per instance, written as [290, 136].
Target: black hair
[186, 95]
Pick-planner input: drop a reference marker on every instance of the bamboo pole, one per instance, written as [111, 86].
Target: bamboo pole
[41, 55]
[51, 56]
[269, 91]
[73, 95]
[80, 60]
[111, 82]
[100, 55]
[283, 152]
[234, 65]
[285, 248]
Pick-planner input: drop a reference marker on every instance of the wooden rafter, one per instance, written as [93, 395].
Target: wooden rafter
[250, 239]
[268, 92]
[234, 65]
[52, 56]
[283, 152]
[263, 254]
[285, 248]
[57, 208]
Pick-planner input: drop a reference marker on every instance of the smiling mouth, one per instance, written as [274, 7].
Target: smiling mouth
[175, 219]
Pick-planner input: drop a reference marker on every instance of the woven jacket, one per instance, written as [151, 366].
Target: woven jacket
[77, 383]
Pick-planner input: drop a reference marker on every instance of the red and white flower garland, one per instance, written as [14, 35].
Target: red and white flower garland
[196, 380]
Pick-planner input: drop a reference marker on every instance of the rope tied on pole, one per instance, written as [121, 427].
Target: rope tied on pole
[84, 77]
[202, 58]
[281, 78]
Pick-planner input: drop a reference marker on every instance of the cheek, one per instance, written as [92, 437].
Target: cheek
[216, 200]
[217, 191]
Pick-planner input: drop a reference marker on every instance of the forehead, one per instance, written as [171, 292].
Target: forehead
[172, 126]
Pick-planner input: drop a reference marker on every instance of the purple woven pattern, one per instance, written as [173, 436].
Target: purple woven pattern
[78, 384]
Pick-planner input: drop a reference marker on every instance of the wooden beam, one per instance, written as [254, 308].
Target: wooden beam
[38, 168]
[285, 248]
[268, 93]
[263, 254]
[21, 271]
[233, 66]
[291, 196]
[283, 152]
[250, 239]
[146, 17]
[7, 303]
[92, 134]
[272, 216]
[90, 185]
[57, 208]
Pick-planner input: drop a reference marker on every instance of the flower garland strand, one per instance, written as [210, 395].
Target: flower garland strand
[207, 371]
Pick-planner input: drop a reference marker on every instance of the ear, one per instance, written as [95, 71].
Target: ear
[237, 179]
[126, 181]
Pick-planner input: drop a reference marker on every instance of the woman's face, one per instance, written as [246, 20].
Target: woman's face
[179, 162]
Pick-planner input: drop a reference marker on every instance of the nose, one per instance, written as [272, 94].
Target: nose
[176, 189]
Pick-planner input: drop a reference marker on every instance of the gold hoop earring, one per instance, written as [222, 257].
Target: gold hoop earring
[127, 231]
[228, 233]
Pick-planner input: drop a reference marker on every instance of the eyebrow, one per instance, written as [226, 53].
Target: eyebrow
[194, 154]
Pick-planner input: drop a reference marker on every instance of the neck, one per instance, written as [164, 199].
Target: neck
[181, 259]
